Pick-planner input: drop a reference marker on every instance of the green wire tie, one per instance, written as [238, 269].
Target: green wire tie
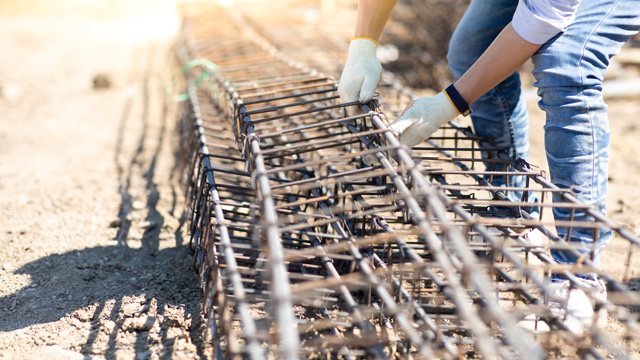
[204, 77]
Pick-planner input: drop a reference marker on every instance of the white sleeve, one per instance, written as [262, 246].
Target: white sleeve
[537, 21]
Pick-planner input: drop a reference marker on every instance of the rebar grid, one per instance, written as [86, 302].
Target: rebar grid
[305, 250]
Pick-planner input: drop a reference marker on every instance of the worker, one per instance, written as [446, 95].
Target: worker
[570, 43]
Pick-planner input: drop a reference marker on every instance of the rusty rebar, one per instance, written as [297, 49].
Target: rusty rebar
[305, 250]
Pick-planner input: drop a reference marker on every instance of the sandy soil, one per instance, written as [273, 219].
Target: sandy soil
[93, 259]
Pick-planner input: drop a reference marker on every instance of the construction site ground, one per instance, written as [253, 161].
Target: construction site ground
[93, 258]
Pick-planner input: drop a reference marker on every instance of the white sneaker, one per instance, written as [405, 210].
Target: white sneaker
[532, 237]
[573, 305]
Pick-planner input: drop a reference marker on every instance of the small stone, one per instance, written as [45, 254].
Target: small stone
[101, 81]
[134, 309]
[83, 315]
[106, 326]
[144, 323]
[137, 205]
[115, 223]
[76, 323]
[172, 322]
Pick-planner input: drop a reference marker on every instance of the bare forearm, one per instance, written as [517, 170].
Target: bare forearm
[372, 16]
[505, 55]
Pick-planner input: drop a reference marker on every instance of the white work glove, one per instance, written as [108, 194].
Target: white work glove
[422, 118]
[361, 73]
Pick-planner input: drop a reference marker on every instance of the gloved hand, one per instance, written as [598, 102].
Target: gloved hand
[422, 118]
[361, 73]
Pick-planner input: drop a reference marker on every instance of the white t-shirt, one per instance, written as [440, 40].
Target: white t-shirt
[537, 21]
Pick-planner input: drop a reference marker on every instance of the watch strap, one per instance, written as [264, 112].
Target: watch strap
[457, 100]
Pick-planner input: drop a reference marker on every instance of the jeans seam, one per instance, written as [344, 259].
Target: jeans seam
[507, 114]
[594, 171]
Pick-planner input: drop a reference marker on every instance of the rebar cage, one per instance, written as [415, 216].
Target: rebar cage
[317, 235]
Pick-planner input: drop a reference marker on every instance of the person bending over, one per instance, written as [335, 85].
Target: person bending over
[570, 43]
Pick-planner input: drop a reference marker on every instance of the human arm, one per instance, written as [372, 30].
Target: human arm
[427, 114]
[372, 17]
[534, 23]
[493, 66]
[362, 71]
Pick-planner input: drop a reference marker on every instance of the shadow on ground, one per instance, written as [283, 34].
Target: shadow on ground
[118, 294]
[137, 298]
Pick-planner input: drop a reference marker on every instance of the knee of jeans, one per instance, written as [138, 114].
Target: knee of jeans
[570, 99]
[576, 128]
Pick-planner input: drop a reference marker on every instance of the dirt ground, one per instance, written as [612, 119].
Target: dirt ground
[93, 258]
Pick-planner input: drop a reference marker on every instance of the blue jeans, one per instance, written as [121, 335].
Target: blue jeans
[568, 70]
